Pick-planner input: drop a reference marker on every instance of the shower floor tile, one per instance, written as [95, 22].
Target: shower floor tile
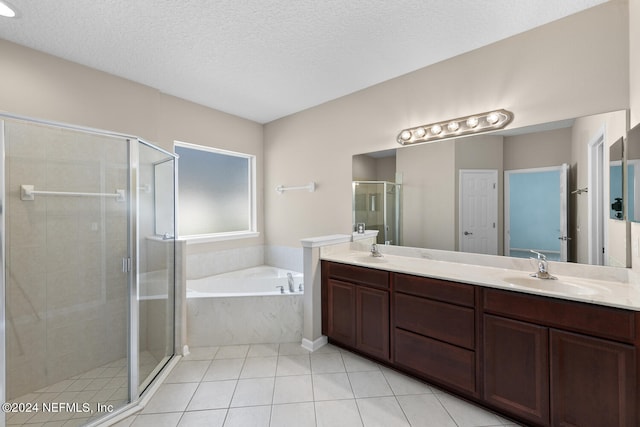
[105, 385]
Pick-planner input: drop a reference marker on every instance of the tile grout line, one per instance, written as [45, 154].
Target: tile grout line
[355, 399]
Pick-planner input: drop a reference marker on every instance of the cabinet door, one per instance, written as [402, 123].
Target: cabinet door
[372, 320]
[592, 381]
[516, 368]
[341, 313]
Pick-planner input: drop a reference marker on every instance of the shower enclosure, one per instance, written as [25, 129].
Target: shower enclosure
[87, 270]
[377, 204]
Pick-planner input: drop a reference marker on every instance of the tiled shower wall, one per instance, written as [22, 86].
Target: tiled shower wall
[66, 293]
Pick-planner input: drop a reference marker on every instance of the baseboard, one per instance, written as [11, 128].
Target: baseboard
[314, 345]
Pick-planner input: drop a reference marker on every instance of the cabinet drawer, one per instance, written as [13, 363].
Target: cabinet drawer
[606, 322]
[436, 360]
[445, 322]
[441, 290]
[359, 275]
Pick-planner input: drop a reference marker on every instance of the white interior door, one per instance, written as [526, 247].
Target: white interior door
[478, 211]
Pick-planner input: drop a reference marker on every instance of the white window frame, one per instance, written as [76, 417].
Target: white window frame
[216, 237]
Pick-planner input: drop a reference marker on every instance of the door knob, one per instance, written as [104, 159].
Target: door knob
[466, 233]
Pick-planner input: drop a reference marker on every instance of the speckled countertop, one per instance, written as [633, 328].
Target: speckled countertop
[596, 285]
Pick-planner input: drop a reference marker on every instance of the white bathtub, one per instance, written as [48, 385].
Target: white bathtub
[244, 307]
[262, 280]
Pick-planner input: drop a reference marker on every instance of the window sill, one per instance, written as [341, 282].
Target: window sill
[208, 238]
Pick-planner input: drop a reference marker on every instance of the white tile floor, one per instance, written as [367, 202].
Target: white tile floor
[284, 385]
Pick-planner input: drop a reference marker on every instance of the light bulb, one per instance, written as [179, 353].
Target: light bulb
[405, 135]
[493, 118]
[436, 129]
[6, 10]
[420, 132]
[472, 122]
[453, 126]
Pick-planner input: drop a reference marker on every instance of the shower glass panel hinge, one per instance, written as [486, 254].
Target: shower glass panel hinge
[126, 265]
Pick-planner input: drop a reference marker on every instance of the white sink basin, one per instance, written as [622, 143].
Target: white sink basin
[557, 286]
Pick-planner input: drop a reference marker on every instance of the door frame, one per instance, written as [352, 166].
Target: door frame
[597, 231]
[494, 206]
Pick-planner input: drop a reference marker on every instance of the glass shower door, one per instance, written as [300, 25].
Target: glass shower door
[66, 232]
[377, 204]
[156, 254]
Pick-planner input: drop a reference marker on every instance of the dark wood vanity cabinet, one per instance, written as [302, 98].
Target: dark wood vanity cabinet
[516, 368]
[593, 381]
[355, 308]
[559, 363]
[434, 330]
[543, 361]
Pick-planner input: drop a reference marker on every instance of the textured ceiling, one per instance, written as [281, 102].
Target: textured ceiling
[265, 59]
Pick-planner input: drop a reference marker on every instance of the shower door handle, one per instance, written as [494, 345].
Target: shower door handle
[126, 265]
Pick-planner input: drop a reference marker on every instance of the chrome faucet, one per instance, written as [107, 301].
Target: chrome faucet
[292, 288]
[543, 267]
[374, 251]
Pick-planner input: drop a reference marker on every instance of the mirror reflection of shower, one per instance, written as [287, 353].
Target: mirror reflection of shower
[377, 204]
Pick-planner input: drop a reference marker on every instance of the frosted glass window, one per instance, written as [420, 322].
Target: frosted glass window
[215, 191]
[534, 213]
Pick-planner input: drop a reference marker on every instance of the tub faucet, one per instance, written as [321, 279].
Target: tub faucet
[543, 267]
[292, 287]
[374, 251]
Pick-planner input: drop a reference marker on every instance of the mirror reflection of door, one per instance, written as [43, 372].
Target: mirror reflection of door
[536, 212]
[478, 231]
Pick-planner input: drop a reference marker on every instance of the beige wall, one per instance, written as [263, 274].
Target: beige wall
[428, 195]
[49, 88]
[364, 168]
[538, 150]
[368, 168]
[533, 74]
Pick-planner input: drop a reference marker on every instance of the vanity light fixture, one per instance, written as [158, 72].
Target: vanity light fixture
[477, 123]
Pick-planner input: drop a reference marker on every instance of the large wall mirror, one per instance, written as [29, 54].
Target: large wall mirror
[543, 187]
